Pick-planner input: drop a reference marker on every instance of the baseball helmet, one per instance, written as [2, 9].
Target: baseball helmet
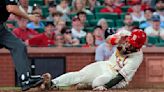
[137, 38]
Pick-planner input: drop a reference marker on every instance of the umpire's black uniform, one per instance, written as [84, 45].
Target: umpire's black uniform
[16, 47]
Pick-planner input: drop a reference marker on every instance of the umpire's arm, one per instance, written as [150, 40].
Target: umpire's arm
[13, 7]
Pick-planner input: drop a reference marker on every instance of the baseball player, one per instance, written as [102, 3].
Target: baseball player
[16, 47]
[116, 72]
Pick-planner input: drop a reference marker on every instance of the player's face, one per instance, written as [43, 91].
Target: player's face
[126, 48]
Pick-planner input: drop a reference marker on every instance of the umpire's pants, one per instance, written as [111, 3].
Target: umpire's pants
[17, 49]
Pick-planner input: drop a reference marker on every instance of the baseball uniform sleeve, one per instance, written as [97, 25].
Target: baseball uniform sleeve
[11, 2]
[131, 65]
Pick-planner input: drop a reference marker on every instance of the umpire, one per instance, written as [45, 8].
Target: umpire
[17, 48]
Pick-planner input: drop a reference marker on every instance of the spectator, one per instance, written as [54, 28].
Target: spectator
[50, 2]
[128, 21]
[79, 6]
[22, 32]
[57, 16]
[59, 40]
[148, 15]
[24, 4]
[68, 39]
[83, 18]
[155, 29]
[118, 3]
[137, 14]
[93, 4]
[98, 35]
[109, 8]
[37, 24]
[45, 39]
[90, 41]
[63, 7]
[59, 26]
[76, 30]
[145, 4]
[37, 9]
[12, 18]
[51, 10]
[106, 31]
[160, 9]
[104, 51]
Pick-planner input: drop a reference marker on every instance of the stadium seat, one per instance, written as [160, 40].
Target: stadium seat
[136, 23]
[98, 8]
[82, 40]
[69, 23]
[119, 23]
[89, 29]
[160, 44]
[110, 22]
[161, 40]
[112, 16]
[39, 30]
[44, 21]
[38, 2]
[72, 15]
[93, 22]
[101, 1]
[153, 40]
[45, 12]
[122, 16]
[90, 17]
[125, 8]
[13, 22]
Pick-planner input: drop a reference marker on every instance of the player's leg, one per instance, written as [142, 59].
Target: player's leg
[69, 79]
[85, 75]
[19, 54]
[101, 80]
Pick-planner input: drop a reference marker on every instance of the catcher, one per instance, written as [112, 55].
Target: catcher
[116, 72]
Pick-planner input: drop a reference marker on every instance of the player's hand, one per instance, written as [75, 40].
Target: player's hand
[32, 18]
[100, 88]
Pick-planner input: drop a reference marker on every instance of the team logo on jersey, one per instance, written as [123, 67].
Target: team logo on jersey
[134, 37]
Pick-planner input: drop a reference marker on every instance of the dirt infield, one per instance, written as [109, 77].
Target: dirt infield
[111, 90]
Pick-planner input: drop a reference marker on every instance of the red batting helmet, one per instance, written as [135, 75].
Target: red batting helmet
[137, 38]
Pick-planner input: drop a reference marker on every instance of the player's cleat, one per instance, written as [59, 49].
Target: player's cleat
[31, 82]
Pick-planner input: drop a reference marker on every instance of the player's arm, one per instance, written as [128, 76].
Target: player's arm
[110, 83]
[114, 81]
[13, 8]
[113, 39]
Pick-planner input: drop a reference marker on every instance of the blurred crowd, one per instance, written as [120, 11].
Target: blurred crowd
[87, 23]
